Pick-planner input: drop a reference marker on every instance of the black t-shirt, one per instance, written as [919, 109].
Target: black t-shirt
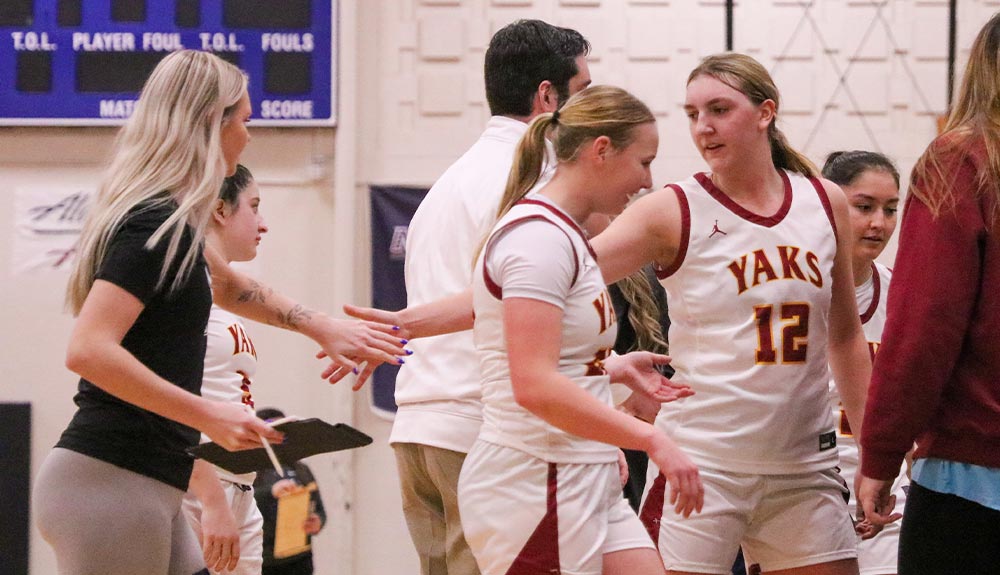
[168, 337]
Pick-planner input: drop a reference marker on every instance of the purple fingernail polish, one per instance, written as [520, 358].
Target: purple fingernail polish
[404, 341]
[409, 352]
[400, 361]
[395, 328]
[355, 370]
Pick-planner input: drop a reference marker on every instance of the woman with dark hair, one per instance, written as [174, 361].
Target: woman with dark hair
[871, 183]
[219, 504]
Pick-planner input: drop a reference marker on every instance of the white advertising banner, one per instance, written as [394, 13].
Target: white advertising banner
[47, 223]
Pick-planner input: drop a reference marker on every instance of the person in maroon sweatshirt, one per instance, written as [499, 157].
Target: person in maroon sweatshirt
[936, 378]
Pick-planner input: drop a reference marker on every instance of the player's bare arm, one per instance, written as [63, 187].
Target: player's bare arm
[533, 332]
[647, 231]
[345, 342]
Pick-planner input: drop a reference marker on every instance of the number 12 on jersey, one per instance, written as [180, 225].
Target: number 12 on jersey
[794, 334]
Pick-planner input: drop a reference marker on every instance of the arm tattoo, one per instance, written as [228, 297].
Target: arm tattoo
[256, 292]
[294, 317]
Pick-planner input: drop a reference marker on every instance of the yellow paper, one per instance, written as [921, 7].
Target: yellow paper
[289, 532]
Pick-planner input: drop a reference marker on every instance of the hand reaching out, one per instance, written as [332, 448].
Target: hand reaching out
[349, 342]
[382, 317]
[638, 370]
[386, 322]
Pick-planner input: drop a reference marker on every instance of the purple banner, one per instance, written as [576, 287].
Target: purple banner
[392, 207]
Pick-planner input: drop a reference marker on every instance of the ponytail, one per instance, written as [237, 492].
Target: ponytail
[529, 158]
[785, 156]
[593, 112]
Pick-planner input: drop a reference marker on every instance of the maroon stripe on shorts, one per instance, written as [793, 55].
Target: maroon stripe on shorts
[652, 509]
[541, 552]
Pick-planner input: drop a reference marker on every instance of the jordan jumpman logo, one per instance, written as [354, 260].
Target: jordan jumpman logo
[716, 230]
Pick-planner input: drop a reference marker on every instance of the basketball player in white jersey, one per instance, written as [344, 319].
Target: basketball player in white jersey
[540, 491]
[755, 257]
[871, 183]
[762, 305]
[530, 67]
[220, 505]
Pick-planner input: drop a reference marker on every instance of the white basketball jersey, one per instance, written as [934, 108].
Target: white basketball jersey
[230, 365]
[872, 297]
[588, 334]
[749, 299]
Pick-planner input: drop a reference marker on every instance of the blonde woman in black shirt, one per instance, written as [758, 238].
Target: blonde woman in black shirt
[108, 497]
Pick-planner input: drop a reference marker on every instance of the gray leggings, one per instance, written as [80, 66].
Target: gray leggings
[104, 520]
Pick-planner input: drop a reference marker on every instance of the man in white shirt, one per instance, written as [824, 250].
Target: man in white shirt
[531, 68]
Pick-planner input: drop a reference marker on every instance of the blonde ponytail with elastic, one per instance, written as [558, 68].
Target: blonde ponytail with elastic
[529, 159]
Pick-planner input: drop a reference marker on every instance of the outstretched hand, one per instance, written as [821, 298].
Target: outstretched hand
[348, 342]
[386, 318]
[638, 370]
[385, 323]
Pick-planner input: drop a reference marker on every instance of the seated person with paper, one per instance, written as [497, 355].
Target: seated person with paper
[293, 512]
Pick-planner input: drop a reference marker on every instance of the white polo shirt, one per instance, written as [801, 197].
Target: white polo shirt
[438, 390]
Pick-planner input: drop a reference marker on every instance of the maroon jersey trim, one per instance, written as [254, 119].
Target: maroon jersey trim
[682, 248]
[824, 199]
[564, 217]
[651, 513]
[876, 294]
[540, 553]
[493, 287]
[728, 203]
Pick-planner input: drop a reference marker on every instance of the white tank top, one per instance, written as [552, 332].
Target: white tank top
[588, 334]
[749, 299]
[872, 297]
[230, 366]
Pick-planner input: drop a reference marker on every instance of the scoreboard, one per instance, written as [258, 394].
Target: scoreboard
[83, 62]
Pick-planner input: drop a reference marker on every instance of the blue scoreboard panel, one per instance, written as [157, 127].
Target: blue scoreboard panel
[83, 62]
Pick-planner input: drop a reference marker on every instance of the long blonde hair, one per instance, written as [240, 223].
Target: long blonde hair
[643, 312]
[747, 76]
[974, 114]
[169, 153]
[591, 113]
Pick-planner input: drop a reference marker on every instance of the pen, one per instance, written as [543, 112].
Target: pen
[272, 456]
[269, 449]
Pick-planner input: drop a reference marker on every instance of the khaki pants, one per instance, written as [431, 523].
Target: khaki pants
[428, 479]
